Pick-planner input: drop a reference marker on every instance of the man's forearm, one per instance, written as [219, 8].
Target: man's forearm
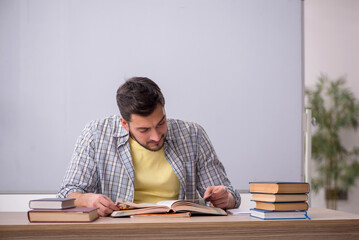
[79, 199]
[231, 201]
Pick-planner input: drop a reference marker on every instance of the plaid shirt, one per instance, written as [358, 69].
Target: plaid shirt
[102, 163]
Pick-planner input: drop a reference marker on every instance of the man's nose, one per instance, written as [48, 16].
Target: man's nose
[155, 135]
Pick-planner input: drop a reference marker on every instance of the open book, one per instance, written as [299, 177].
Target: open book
[169, 206]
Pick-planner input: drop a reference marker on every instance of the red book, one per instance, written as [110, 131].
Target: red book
[63, 215]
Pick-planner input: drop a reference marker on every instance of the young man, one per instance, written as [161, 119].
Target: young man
[141, 156]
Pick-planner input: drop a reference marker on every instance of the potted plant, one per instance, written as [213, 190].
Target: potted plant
[335, 108]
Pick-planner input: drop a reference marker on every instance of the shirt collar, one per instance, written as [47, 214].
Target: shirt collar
[169, 135]
[120, 132]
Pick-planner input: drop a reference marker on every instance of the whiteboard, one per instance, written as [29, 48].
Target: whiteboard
[233, 66]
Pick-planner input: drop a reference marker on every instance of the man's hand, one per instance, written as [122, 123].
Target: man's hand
[220, 197]
[104, 204]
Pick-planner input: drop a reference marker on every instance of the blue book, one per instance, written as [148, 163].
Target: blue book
[276, 215]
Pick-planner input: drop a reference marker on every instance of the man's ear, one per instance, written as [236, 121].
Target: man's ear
[125, 124]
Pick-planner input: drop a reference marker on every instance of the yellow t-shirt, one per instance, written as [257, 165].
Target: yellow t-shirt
[155, 179]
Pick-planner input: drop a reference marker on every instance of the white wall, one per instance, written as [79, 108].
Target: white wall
[19, 202]
[332, 47]
[218, 62]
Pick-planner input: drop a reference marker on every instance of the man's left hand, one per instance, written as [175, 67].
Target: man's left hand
[220, 197]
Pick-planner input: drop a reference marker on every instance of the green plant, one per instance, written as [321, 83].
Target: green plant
[335, 108]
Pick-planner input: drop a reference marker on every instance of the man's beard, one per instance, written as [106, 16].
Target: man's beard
[153, 150]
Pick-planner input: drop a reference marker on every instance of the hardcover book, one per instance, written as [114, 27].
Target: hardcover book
[52, 203]
[291, 206]
[171, 206]
[279, 187]
[63, 215]
[269, 215]
[268, 197]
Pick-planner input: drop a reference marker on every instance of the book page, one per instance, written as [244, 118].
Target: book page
[131, 205]
[167, 203]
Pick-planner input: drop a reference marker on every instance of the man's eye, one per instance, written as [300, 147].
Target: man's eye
[143, 131]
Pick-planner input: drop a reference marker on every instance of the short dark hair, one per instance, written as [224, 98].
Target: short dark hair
[138, 95]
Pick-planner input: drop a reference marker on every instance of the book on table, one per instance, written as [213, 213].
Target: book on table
[269, 197]
[282, 206]
[76, 214]
[52, 203]
[163, 215]
[279, 187]
[170, 206]
[271, 215]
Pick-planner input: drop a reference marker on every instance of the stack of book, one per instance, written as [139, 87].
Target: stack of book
[280, 200]
[59, 210]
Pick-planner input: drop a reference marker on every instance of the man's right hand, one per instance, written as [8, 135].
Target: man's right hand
[104, 204]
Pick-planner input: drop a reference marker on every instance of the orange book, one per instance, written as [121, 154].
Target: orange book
[279, 187]
[269, 197]
[293, 206]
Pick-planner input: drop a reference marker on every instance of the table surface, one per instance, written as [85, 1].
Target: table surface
[324, 224]
[316, 214]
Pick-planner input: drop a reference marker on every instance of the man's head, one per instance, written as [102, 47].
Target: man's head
[141, 104]
[140, 96]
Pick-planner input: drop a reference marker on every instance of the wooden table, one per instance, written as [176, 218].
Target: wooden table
[325, 224]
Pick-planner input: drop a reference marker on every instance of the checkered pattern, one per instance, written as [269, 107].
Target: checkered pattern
[102, 163]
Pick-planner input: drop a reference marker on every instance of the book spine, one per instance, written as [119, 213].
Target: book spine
[279, 218]
[279, 202]
[261, 210]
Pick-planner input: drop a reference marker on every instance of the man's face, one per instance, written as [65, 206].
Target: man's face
[150, 131]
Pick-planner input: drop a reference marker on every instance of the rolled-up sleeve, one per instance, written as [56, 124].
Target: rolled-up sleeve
[81, 175]
[211, 171]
